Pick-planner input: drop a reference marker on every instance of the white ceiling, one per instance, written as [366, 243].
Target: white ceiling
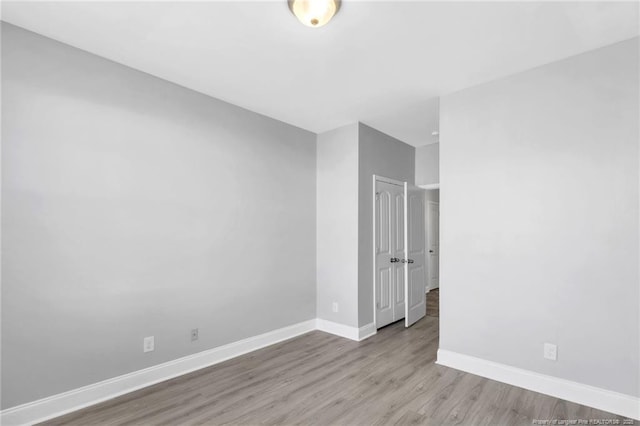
[382, 63]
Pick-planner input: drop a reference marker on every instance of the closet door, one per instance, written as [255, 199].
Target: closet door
[399, 249]
[414, 258]
[389, 252]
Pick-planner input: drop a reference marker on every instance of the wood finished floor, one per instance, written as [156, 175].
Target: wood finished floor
[433, 303]
[319, 378]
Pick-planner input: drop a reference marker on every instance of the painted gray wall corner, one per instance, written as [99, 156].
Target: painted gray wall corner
[382, 155]
[337, 229]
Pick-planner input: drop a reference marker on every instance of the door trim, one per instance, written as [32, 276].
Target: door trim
[428, 240]
[386, 180]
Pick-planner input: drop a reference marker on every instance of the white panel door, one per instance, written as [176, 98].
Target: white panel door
[399, 249]
[384, 278]
[389, 250]
[414, 260]
[433, 243]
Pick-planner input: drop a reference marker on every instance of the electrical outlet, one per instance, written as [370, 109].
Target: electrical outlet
[335, 306]
[194, 334]
[550, 351]
[149, 344]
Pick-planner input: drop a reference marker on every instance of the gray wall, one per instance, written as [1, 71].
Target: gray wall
[337, 251]
[428, 164]
[432, 195]
[381, 155]
[134, 207]
[539, 219]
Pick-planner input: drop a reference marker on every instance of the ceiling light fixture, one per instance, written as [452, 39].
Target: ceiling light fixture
[314, 13]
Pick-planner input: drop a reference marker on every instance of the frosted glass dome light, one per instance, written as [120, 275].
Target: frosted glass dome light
[314, 13]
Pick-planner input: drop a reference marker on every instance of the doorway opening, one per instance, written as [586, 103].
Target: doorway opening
[432, 238]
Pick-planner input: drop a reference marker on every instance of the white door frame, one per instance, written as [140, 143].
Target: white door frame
[428, 240]
[377, 178]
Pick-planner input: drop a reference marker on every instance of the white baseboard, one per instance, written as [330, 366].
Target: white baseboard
[337, 329]
[57, 405]
[602, 399]
[367, 331]
[346, 331]
[76, 399]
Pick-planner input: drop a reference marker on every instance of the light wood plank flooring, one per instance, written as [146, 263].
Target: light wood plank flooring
[318, 378]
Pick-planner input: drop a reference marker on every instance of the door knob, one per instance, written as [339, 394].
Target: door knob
[394, 260]
[410, 261]
[430, 251]
[407, 260]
